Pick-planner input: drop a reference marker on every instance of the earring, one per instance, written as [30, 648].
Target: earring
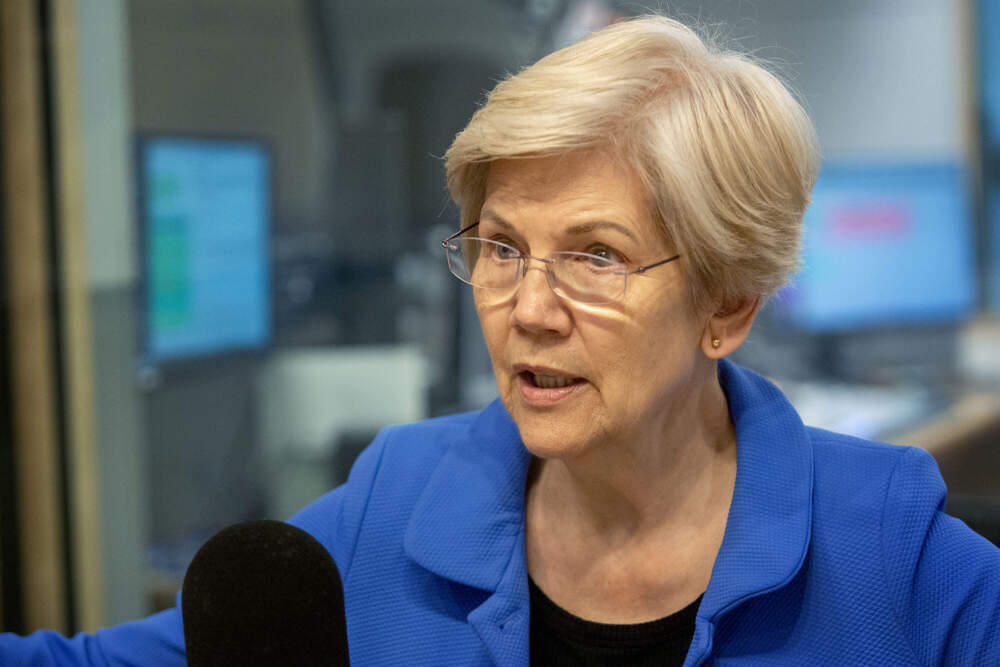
[716, 342]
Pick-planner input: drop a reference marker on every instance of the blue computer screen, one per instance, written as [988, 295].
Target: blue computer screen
[993, 259]
[884, 245]
[205, 213]
[988, 47]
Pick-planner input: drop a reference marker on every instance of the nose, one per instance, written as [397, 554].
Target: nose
[537, 309]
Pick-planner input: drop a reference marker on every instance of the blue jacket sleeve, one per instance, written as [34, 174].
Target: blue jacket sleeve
[158, 641]
[944, 578]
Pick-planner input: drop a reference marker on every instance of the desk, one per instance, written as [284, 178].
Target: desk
[963, 435]
[965, 440]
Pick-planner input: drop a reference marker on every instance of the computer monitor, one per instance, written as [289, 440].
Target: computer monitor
[205, 218]
[886, 245]
[993, 249]
[988, 48]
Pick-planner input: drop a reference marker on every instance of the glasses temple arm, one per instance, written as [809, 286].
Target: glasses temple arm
[458, 233]
[643, 269]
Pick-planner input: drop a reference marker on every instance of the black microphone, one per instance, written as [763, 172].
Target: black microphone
[263, 593]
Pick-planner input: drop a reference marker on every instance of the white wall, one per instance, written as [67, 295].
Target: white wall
[106, 119]
[881, 79]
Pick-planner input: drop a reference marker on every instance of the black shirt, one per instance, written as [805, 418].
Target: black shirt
[560, 638]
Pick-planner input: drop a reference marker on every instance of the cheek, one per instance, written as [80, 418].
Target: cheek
[652, 352]
[493, 323]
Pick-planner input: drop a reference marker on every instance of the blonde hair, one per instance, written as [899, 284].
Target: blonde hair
[727, 155]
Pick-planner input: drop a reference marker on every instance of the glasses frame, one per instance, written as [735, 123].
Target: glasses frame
[548, 262]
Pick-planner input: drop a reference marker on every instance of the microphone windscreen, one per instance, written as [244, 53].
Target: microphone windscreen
[263, 593]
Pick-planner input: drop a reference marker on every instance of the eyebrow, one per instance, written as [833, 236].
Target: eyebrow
[587, 227]
[576, 230]
[486, 213]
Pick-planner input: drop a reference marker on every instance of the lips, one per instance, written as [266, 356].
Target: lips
[541, 386]
[547, 376]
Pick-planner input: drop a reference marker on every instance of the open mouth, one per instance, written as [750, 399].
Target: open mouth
[543, 381]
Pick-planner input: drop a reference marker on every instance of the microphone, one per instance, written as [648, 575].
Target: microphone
[263, 593]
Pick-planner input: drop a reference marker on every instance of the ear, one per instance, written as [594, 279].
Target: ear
[730, 326]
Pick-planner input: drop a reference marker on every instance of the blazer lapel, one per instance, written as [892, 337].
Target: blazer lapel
[468, 527]
[503, 620]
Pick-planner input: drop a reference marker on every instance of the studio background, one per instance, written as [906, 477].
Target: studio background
[158, 384]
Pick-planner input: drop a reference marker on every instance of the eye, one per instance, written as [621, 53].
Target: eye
[503, 248]
[605, 252]
[506, 252]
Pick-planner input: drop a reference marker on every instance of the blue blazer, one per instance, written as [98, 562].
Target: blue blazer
[836, 552]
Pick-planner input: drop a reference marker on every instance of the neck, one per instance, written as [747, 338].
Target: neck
[679, 475]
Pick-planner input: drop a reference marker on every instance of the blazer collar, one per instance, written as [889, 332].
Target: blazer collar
[470, 516]
[770, 518]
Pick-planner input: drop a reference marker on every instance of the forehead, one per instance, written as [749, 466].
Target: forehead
[567, 189]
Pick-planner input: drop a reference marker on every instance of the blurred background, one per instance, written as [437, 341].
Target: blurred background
[221, 272]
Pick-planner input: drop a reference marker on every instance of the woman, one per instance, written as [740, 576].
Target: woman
[633, 498]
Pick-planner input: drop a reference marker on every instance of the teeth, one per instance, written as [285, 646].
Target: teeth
[551, 381]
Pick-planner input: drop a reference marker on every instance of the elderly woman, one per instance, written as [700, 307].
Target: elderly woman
[633, 498]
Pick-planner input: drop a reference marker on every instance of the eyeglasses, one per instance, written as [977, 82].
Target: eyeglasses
[577, 276]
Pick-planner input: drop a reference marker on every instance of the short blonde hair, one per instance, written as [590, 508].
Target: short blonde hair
[727, 155]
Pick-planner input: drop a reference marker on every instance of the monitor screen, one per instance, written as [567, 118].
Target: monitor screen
[205, 208]
[993, 249]
[988, 48]
[884, 246]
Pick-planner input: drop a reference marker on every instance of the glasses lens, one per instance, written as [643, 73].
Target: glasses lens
[483, 263]
[587, 278]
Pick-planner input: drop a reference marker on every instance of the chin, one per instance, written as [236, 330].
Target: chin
[549, 450]
[552, 436]
[553, 432]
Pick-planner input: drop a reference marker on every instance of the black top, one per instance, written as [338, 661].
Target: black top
[560, 638]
